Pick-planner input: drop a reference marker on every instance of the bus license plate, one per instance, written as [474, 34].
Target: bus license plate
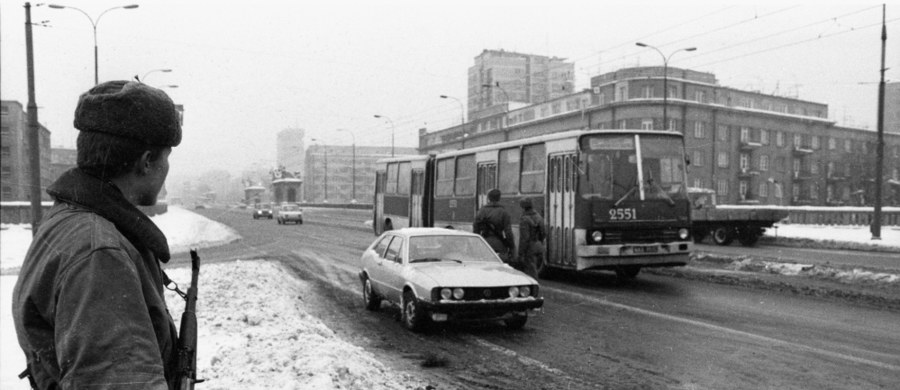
[644, 249]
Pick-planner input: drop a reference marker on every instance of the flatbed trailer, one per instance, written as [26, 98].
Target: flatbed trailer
[724, 224]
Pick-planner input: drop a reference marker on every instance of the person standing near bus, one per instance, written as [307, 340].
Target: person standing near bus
[493, 223]
[531, 237]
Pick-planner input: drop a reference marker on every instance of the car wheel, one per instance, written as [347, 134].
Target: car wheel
[300, 222]
[411, 315]
[516, 322]
[749, 236]
[372, 300]
[722, 235]
[627, 271]
[270, 217]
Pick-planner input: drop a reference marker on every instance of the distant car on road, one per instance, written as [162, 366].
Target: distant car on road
[262, 212]
[290, 213]
[439, 275]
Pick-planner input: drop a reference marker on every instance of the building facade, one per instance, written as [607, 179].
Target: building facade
[15, 149]
[61, 160]
[892, 108]
[290, 150]
[500, 77]
[751, 148]
[329, 175]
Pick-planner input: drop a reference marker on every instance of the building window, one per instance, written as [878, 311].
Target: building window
[4, 129]
[700, 96]
[698, 130]
[763, 190]
[648, 91]
[795, 191]
[698, 158]
[796, 165]
[813, 191]
[623, 124]
[764, 136]
[813, 168]
[742, 189]
[722, 133]
[698, 183]
[779, 139]
[673, 91]
[865, 147]
[778, 191]
[764, 162]
[848, 146]
[722, 187]
[722, 161]
[779, 164]
[7, 192]
[829, 169]
[745, 134]
[829, 193]
[647, 124]
[622, 93]
[745, 161]
[815, 142]
[848, 170]
[832, 143]
[673, 125]
[4, 150]
[798, 141]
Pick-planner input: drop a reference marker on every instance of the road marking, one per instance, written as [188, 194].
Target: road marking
[723, 329]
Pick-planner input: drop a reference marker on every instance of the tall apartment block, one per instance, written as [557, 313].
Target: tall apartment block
[15, 167]
[500, 76]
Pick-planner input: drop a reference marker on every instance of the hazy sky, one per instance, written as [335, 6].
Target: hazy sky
[246, 70]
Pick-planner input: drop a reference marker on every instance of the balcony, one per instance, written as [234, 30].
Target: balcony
[749, 145]
[802, 151]
[801, 175]
[747, 172]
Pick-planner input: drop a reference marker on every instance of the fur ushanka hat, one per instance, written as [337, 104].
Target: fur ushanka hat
[129, 109]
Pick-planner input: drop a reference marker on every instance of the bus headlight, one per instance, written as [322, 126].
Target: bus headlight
[597, 236]
[683, 233]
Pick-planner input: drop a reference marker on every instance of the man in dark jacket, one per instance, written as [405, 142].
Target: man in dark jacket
[88, 306]
[493, 223]
[531, 238]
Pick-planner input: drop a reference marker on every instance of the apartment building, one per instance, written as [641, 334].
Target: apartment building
[15, 166]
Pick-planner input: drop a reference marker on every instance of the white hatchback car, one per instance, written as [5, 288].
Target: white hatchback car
[438, 275]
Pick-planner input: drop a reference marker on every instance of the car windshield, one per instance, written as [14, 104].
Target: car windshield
[609, 167]
[289, 208]
[450, 248]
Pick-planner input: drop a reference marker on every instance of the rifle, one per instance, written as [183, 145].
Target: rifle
[186, 373]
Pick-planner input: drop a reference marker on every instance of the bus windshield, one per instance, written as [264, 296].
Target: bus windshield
[609, 167]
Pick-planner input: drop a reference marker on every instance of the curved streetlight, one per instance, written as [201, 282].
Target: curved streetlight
[353, 166]
[497, 85]
[462, 109]
[665, 78]
[94, 25]
[392, 131]
[144, 78]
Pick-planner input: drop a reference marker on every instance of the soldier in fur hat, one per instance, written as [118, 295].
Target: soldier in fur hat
[88, 305]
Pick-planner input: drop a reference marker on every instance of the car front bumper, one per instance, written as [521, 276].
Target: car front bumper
[481, 310]
[290, 217]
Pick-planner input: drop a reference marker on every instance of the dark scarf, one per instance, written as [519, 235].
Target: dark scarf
[104, 198]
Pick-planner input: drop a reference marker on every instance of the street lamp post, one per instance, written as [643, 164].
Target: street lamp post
[462, 109]
[353, 166]
[665, 78]
[94, 24]
[506, 109]
[392, 131]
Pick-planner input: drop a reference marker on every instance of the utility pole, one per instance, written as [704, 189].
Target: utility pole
[34, 129]
[879, 154]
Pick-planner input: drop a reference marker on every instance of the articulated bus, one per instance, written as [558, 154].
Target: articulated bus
[611, 199]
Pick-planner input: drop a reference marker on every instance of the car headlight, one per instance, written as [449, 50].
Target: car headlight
[458, 293]
[683, 233]
[445, 293]
[513, 292]
[524, 291]
[597, 236]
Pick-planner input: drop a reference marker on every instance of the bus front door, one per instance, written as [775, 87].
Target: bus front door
[416, 201]
[486, 181]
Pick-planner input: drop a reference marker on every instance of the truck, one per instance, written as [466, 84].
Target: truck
[723, 224]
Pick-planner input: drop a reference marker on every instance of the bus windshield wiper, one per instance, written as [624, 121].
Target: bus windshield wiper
[627, 194]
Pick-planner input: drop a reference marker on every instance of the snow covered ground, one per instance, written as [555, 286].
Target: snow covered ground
[254, 330]
[257, 334]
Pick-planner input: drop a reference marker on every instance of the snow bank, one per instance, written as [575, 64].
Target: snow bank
[838, 237]
[254, 333]
[818, 271]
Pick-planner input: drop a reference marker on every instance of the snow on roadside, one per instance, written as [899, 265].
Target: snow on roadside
[185, 229]
[254, 333]
[843, 236]
[819, 271]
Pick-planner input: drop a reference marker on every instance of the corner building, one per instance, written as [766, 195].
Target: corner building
[750, 147]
